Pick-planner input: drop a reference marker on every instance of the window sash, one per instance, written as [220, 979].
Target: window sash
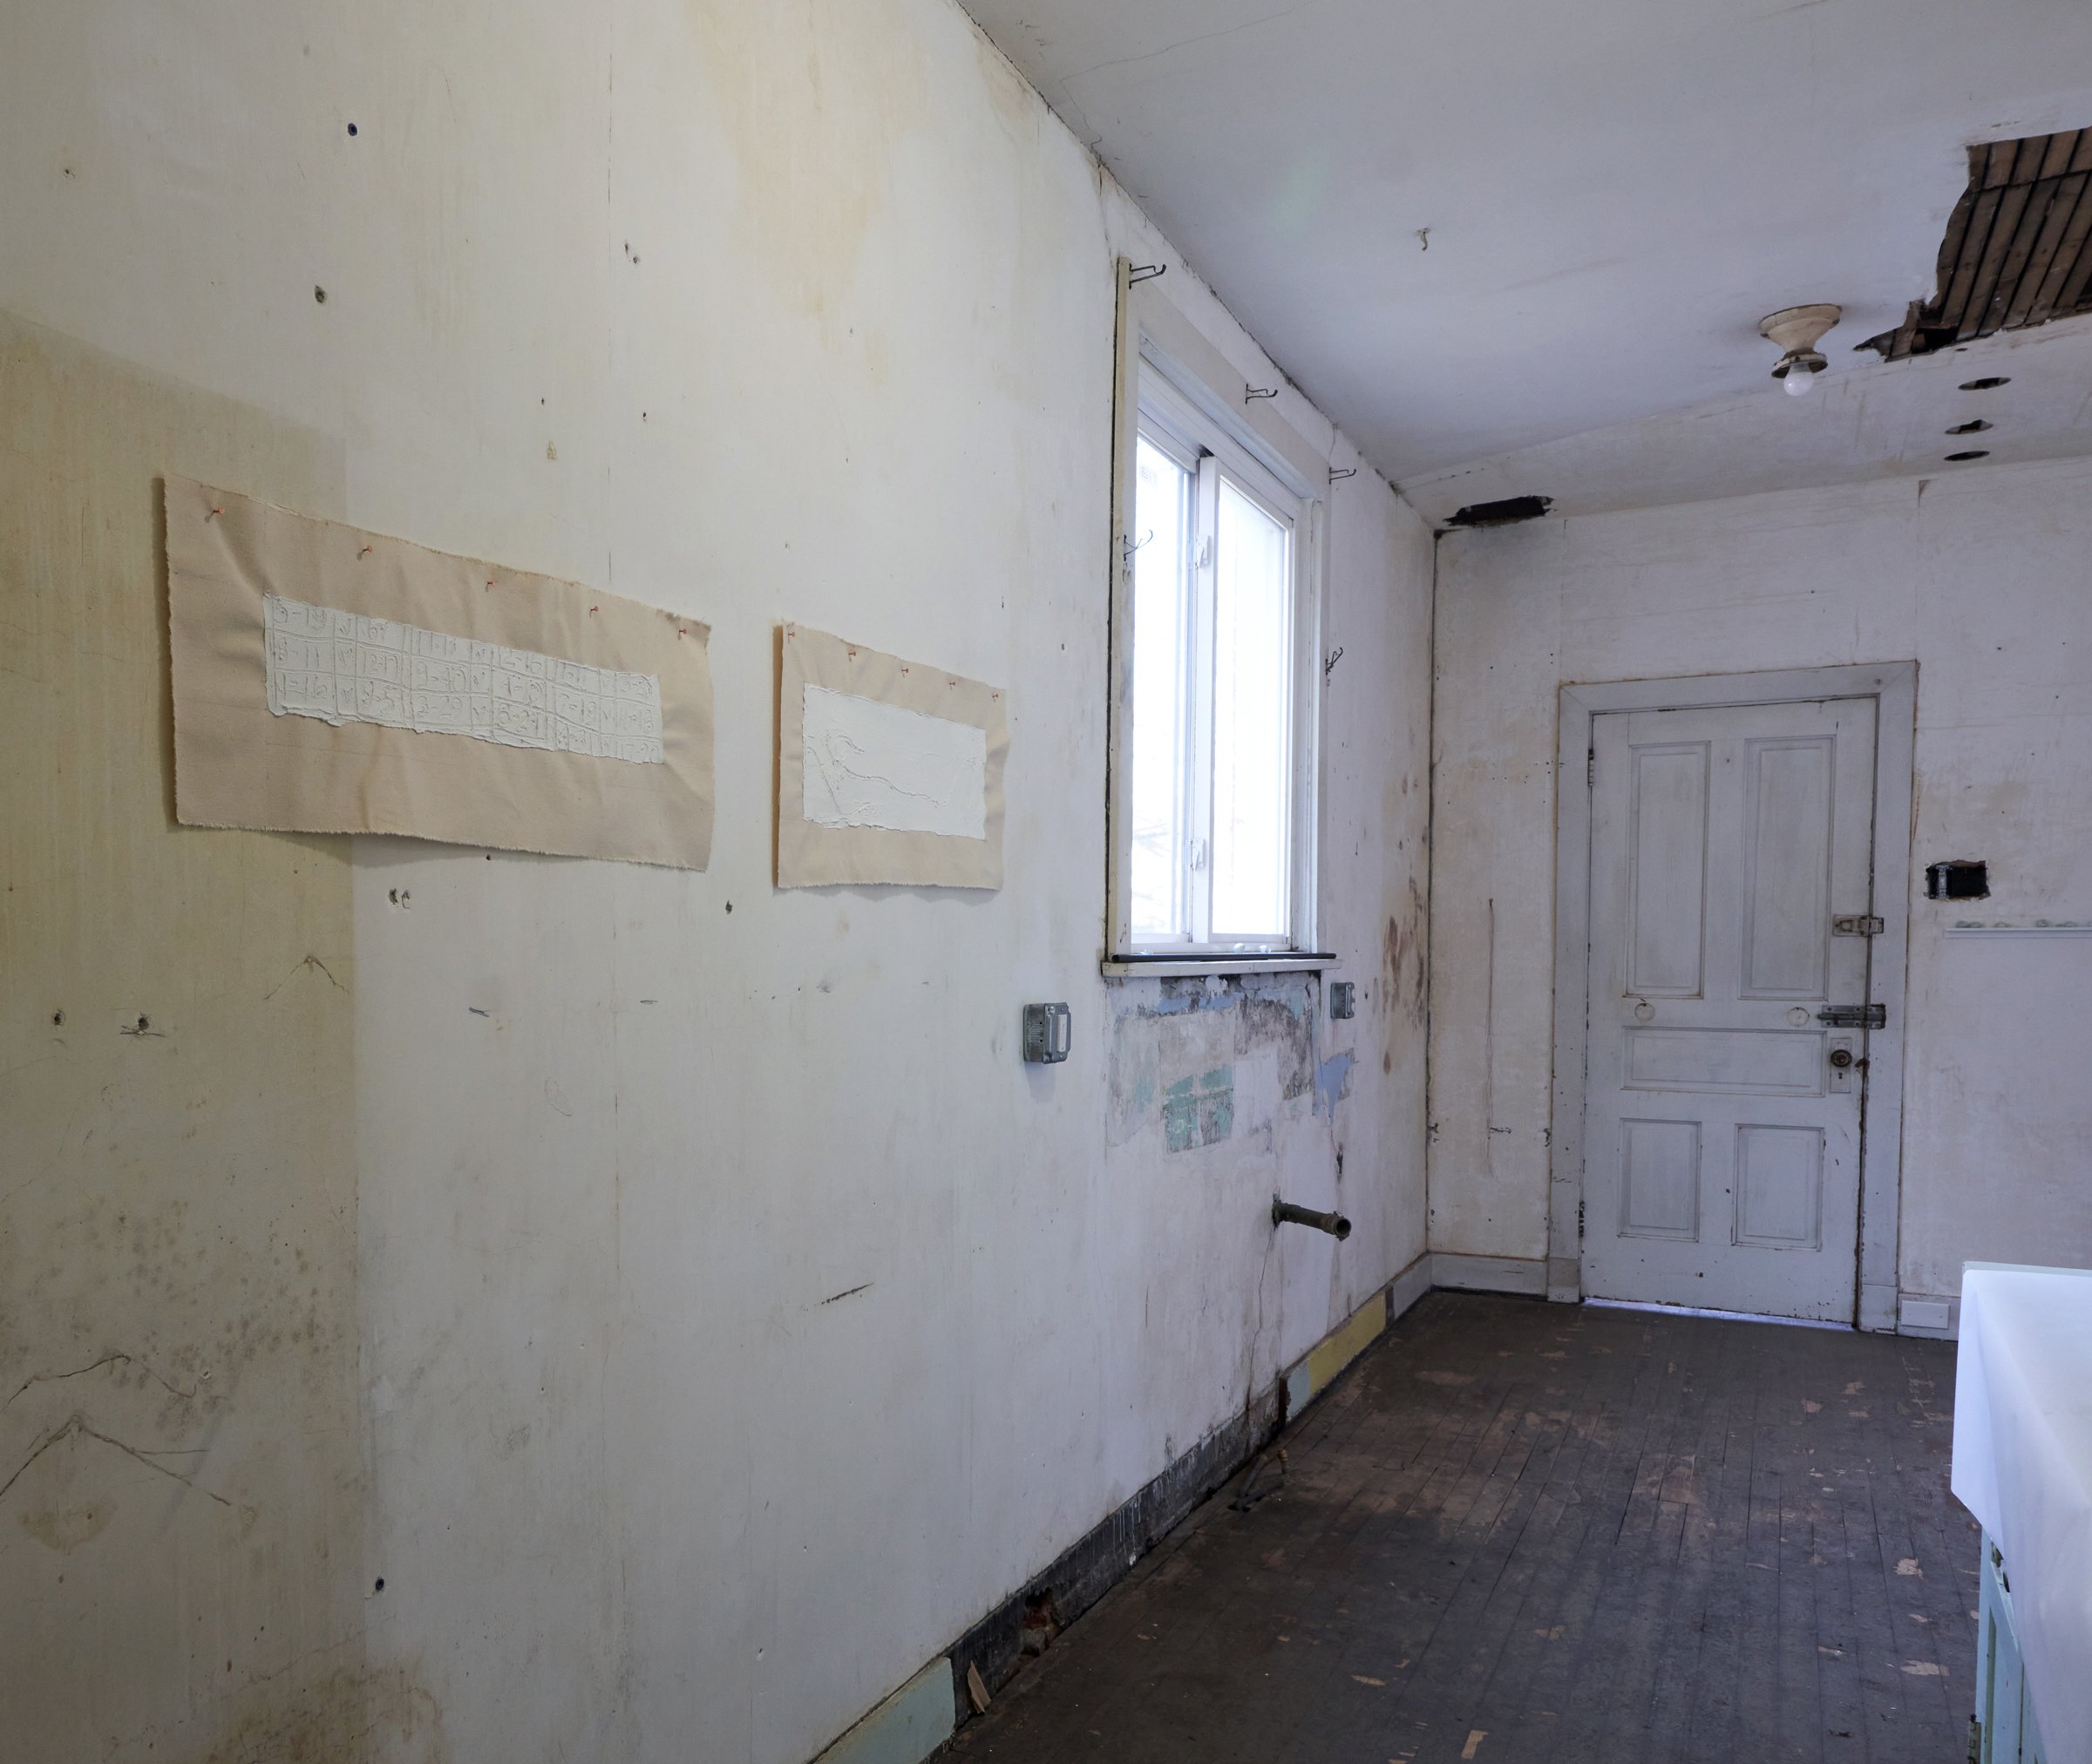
[1167, 422]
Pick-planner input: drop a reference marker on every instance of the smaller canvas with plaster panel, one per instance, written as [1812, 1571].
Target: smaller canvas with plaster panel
[888, 771]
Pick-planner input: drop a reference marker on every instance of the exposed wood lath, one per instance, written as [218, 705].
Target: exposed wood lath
[2018, 250]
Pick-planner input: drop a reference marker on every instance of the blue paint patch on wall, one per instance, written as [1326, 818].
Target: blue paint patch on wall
[1333, 1081]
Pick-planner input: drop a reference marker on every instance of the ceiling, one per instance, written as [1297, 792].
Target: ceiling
[1614, 193]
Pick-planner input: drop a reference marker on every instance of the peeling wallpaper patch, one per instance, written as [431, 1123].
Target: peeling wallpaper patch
[1333, 1081]
[1199, 1111]
[1254, 1035]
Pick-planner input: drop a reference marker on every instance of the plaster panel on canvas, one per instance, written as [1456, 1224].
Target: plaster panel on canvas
[869, 764]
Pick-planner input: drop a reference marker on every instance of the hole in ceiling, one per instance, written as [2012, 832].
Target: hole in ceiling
[2018, 250]
[1503, 513]
[1974, 427]
[1990, 383]
[1973, 453]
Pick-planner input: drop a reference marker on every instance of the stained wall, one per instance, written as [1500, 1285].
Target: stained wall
[677, 1292]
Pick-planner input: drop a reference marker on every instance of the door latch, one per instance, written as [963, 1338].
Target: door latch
[1857, 924]
[1854, 1017]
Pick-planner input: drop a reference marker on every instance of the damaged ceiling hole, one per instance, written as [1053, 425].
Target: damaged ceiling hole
[2017, 251]
[1990, 382]
[1974, 427]
[1971, 453]
[1502, 514]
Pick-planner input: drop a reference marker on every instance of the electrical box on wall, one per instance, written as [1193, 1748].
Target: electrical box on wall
[1343, 998]
[1046, 1034]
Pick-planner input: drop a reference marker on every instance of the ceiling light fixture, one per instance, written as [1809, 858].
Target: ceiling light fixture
[1797, 330]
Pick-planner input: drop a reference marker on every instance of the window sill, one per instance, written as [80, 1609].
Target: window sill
[1176, 966]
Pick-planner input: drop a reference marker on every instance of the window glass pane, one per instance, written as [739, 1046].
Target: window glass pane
[1162, 522]
[1253, 719]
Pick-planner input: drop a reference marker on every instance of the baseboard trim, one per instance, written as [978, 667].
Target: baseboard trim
[1527, 1277]
[1088, 1568]
[906, 1728]
[1091, 1566]
[1410, 1285]
[1936, 1316]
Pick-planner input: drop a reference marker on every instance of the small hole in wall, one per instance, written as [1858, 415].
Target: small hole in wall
[351, 128]
[1989, 384]
[1970, 453]
[402, 896]
[730, 906]
[380, 1587]
[320, 294]
[1960, 878]
[144, 1023]
[58, 1019]
[1973, 428]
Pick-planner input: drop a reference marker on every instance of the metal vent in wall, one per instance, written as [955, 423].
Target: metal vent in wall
[2018, 250]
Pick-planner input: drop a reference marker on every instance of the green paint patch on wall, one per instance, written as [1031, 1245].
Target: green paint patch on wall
[1198, 1111]
[906, 1728]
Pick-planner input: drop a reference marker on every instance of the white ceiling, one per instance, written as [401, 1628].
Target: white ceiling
[1616, 191]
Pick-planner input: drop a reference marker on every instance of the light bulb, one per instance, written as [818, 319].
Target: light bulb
[1800, 377]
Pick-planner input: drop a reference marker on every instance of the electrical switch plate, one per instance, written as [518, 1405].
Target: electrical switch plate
[1343, 999]
[1046, 1034]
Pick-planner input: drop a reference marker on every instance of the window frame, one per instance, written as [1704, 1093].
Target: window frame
[1185, 416]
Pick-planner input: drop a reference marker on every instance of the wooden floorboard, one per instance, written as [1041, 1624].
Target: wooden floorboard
[1519, 1533]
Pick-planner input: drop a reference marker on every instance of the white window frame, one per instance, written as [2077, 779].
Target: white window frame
[1192, 421]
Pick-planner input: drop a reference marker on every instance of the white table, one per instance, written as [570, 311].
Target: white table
[2023, 1466]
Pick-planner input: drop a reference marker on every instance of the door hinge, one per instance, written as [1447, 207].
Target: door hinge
[1854, 1017]
[1857, 924]
[1591, 769]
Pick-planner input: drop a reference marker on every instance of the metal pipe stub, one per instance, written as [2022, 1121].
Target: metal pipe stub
[1285, 1212]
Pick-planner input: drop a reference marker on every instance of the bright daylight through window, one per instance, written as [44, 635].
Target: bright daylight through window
[1214, 862]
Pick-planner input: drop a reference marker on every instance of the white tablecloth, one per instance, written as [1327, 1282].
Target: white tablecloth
[2023, 1466]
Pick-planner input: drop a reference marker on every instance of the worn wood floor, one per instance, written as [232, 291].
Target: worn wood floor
[1517, 1533]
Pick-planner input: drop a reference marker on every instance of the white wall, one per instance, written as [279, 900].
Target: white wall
[1985, 581]
[754, 312]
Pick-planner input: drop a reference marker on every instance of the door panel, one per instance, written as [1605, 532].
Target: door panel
[1660, 1179]
[1721, 1166]
[1780, 1187]
[1786, 921]
[1666, 908]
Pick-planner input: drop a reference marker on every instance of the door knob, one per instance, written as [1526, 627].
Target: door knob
[1841, 1057]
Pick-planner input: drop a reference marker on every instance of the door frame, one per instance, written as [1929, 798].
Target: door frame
[1894, 686]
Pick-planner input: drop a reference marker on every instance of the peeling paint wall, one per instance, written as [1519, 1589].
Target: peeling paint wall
[638, 1273]
[1986, 580]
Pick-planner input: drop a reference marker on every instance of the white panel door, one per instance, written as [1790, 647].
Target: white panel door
[1721, 1115]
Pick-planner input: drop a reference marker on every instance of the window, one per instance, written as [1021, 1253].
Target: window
[1215, 729]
